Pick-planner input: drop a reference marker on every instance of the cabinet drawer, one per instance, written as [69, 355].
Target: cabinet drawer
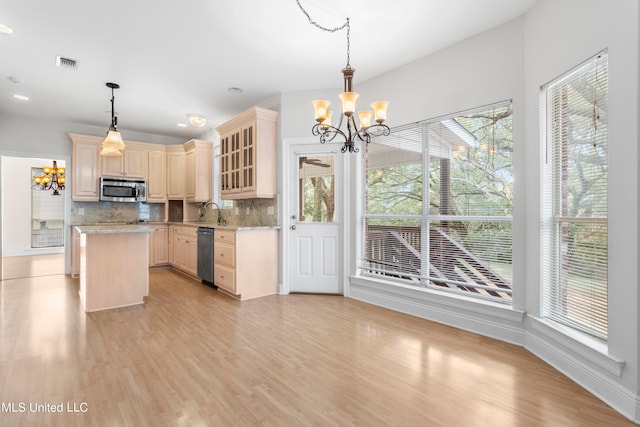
[189, 233]
[228, 236]
[224, 277]
[224, 254]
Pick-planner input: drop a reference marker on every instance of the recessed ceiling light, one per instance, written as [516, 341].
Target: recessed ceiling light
[21, 97]
[182, 125]
[5, 29]
[235, 90]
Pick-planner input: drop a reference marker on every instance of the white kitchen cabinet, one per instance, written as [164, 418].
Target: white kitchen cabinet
[175, 172]
[248, 155]
[198, 162]
[133, 163]
[85, 168]
[184, 249]
[75, 252]
[156, 180]
[159, 246]
[246, 262]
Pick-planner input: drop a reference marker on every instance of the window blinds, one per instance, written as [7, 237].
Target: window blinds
[574, 233]
[438, 205]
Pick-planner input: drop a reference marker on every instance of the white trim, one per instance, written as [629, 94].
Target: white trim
[597, 372]
[482, 317]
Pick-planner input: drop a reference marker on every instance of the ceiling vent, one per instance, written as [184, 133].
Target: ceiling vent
[63, 62]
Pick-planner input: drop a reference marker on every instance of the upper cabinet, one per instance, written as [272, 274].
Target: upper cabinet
[85, 167]
[175, 172]
[156, 178]
[181, 172]
[198, 170]
[248, 155]
[133, 163]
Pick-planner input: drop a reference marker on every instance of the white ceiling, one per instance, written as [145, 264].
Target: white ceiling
[175, 57]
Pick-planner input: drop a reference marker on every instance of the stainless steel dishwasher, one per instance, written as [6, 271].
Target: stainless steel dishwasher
[205, 255]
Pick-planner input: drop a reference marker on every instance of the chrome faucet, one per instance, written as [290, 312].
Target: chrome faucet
[221, 221]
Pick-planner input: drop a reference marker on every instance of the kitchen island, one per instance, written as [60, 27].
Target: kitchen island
[113, 265]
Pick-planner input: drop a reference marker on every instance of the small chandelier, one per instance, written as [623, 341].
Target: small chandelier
[113, 143]
[323, 115]
[53, 179]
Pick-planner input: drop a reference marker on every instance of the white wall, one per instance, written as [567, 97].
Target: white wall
[16, 203]
[512, 62]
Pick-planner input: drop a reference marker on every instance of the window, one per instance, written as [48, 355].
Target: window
[438, 205]
[574, 228]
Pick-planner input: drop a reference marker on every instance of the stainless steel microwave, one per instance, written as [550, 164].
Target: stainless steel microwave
[117, 189]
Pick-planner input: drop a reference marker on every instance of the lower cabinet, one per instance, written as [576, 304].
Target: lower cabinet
[183, 248]
[75, 252]
[246, 262]
[159, 246]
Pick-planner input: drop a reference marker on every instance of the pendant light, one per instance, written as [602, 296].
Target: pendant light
[113, 143]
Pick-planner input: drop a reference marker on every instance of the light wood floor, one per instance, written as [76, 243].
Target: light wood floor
[17, 267]
[193, 357]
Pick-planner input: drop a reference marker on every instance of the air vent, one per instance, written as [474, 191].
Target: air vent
[63, 62]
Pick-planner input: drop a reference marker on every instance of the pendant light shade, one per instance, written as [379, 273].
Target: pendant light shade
[113, 143]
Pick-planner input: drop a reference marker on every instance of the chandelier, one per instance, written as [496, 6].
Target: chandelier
[371, 121]
[113, 143]
[53, 179]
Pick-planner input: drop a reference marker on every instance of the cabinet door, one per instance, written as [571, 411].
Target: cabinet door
[159, 246]
[85, 171]
[190, 175]
[225, 164]
[235, 166]
[157, 180]
[248, 175]
[112, 165]
[135, 163]
[171, 241]
[175, 175]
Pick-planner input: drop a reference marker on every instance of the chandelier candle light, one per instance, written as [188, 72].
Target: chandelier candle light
[323, 115]
[53, 179]
[113, 143]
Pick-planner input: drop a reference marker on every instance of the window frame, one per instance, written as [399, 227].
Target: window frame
[426, 217]
[555, 266]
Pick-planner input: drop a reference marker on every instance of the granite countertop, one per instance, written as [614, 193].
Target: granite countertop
[114, 228]
[228, 227]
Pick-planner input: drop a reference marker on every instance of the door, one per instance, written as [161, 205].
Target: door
[315, 228]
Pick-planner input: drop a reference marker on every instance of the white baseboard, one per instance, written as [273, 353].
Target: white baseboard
[597, 372]
[490, 319]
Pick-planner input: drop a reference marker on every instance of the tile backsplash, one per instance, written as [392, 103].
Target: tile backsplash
[101, 212]
[246, 213]
[243, 213]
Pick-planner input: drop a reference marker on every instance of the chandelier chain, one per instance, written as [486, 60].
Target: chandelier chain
[331, 30]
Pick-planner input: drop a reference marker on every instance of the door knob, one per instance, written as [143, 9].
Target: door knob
[293, 227]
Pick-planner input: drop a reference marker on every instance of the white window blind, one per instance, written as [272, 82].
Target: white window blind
[438, 207]
[574, 232]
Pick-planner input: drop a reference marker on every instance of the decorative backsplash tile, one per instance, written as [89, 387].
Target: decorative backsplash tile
[246, 213]
[102, 212]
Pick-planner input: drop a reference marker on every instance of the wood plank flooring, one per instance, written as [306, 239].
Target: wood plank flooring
[191, 356]
[17, 267]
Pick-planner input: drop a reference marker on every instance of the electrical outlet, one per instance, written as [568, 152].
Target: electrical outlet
[80, 211]
[270, 210]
